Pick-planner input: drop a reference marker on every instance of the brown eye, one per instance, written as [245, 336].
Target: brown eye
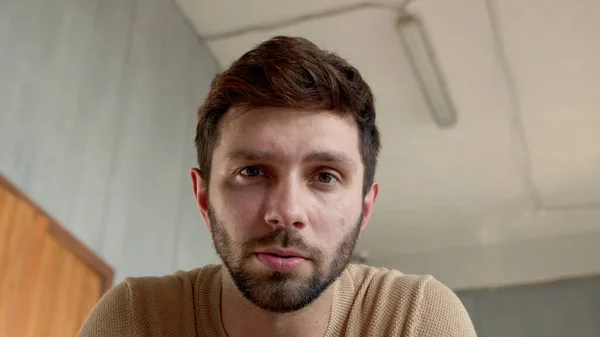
[326, 178]
[251, 171]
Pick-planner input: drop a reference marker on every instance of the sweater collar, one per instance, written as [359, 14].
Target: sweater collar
[209, 318]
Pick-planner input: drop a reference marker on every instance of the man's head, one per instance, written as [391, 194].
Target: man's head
[287, 148]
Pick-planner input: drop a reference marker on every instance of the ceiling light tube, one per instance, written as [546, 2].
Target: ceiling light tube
[422, 58]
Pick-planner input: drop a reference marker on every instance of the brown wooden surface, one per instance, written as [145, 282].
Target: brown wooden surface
[49, 281]
[67, 240]
[16, 250]
[30, 276]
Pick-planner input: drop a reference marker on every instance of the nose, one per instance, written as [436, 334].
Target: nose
[286, 205]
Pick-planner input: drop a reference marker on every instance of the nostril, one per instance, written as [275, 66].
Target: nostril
[274, 223]
[299, 224]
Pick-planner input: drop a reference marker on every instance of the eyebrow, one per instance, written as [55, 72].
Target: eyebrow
[250, 155]
[323, 156]
[334, 157]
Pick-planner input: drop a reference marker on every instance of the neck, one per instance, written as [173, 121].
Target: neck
[242, 318]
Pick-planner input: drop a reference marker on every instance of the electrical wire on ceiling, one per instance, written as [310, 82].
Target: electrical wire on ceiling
[414, 40]
[400, 8]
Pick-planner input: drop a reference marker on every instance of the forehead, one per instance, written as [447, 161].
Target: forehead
[286, 132]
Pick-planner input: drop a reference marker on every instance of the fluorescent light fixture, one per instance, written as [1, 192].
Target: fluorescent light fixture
[422, 58]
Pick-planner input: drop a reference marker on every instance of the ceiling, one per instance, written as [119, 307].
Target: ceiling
[517, 181]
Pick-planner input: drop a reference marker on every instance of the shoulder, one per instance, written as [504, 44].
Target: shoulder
[389, 283]
[111, 316]
[440, 312]
[414, 305]
[147, 305]
[164, 291]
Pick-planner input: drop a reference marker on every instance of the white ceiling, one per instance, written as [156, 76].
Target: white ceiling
[522, 165]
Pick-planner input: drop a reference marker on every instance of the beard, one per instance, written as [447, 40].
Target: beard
[275, 291]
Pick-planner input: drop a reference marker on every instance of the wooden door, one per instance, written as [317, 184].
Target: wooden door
[49, 282]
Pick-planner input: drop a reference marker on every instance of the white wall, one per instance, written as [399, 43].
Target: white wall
[97, 119]
[510, 195]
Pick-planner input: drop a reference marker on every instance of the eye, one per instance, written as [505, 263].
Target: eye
[326, 178]
[252, 171]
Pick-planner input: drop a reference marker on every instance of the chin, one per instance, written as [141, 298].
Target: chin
[278, 291]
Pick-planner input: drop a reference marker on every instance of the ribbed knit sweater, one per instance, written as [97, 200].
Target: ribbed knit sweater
[367, 301]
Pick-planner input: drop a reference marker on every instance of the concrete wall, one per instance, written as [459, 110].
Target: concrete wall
[97, 118]
[561, 309]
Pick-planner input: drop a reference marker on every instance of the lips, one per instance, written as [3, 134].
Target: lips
[282, 253]
[281, 260]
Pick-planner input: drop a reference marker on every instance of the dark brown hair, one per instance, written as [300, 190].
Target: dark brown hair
[290, 72]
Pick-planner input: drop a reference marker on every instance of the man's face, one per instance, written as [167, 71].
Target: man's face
[285, 204]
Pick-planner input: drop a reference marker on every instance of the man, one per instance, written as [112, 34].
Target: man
[287, 148]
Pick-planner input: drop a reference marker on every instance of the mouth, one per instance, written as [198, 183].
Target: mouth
[282, 253]
[281, 260]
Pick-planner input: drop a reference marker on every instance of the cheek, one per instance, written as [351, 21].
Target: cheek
[330, 221]
[240, 207]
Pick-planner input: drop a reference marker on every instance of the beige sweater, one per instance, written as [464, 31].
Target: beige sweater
[366, 302]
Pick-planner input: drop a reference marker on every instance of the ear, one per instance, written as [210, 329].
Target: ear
[201, 195]
[368, 204]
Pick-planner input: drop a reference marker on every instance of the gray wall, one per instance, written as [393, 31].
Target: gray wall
[561, 309]
[97, 117]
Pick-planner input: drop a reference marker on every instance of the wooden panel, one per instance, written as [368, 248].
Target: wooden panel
[60, 312]
[7, 208]
[40, 320]
[84, 254]
[30, 276]
[75, 289]
[65, 238]
[49, 281]
[17, 251]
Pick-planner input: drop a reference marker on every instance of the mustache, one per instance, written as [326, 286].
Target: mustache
[280, 238]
